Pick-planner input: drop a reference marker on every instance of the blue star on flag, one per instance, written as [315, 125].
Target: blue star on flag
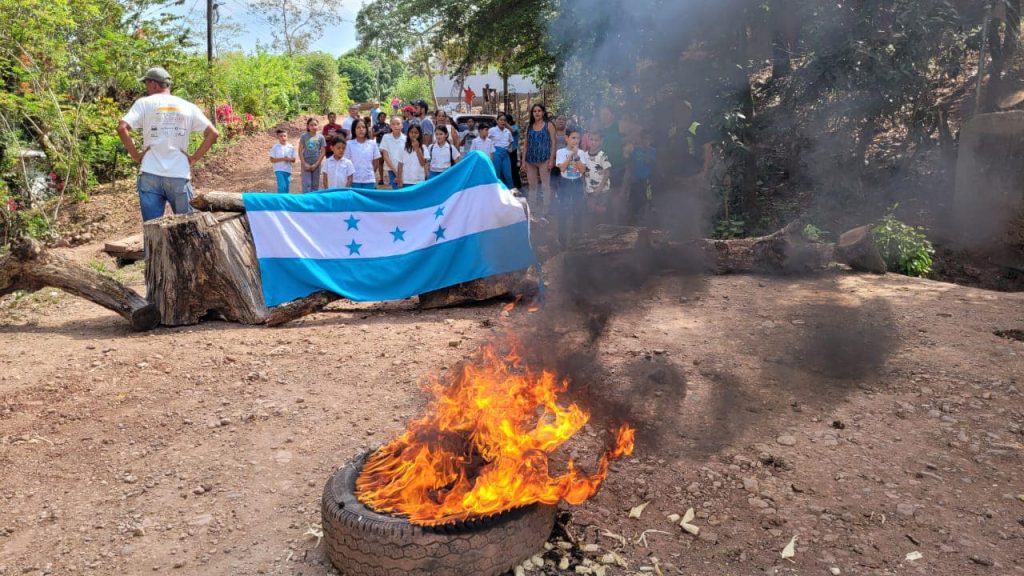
[399, 234]
[353, 222]
[353, 248]
[439, 212]
[439, 233]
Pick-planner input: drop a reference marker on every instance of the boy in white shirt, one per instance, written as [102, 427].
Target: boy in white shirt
[598, 178]
[483, 143]
[391, 146]
[338, 170]
[572, 162]
[441, 154]
[502, 138]
[282, 156]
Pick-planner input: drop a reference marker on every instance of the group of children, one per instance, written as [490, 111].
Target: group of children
[580, 183]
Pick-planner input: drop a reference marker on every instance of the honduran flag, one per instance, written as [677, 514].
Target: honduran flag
[390, 244]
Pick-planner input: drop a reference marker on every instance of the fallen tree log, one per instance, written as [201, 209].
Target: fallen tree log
[204, 266]
[30, 267]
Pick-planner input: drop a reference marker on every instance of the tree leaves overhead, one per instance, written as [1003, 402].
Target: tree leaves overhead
[509, 34]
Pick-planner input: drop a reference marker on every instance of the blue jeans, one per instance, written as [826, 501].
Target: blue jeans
[503, 166]
[571, 209]
[284, 179]
[393, 180]
[364, 185]
[157, 191]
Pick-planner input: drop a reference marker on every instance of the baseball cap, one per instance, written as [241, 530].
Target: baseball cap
[408, 108]
[157, 74]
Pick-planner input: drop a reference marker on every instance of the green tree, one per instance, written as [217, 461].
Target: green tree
[296, 24]
[320, 83]
[361, 76]
[412, 88]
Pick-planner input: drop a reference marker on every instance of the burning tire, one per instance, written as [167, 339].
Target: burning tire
[361, 542]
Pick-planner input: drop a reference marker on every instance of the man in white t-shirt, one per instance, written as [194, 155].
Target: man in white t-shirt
[353, 115]
[166, 121]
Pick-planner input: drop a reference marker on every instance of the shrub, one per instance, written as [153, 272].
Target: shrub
[905, 248]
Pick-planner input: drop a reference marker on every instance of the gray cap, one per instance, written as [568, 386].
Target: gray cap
[157, 74]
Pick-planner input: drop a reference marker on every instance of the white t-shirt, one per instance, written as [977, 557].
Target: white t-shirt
[338, 171]
[484, 145]
[502, 138]
[362, 157]
[346, 124]
[166, 122]
[282, 151]
[412, 170]
[570, 172]
[441, 157]
[393, 146]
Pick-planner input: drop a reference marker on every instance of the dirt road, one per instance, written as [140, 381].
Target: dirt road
[869, 416]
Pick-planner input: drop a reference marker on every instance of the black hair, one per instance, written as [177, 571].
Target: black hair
[408, 137]
[311, 119]
[543, 109]
[329, 114]
[336, 139]
[356, 123]
[442, 129]
[381, 113]
[280, 131]
[570, 130]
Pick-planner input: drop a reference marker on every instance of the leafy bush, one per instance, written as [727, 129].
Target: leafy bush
[413, 88]
[905, 248]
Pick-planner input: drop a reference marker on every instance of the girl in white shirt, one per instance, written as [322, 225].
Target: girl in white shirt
[441, 154]
[412, 161]
[364, 154]
[338, 170]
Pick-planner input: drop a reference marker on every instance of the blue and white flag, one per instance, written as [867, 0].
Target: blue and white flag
[390, 244]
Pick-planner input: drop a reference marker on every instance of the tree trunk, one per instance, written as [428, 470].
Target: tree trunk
[199, 267]
[30, 267]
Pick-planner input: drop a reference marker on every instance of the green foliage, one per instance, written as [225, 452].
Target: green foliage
[319, 85]
[361, 76]
[905, 248]
[727, 228]
[412, 88]
[813, 233]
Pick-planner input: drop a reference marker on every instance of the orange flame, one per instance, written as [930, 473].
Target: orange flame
[483, 448]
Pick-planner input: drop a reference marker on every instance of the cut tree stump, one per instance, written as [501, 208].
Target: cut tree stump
[200, 267]
[856, 248]
[30, 267]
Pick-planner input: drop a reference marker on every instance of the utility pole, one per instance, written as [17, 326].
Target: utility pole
[210, 7]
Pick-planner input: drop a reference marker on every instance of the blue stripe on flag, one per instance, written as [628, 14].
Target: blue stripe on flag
[500, 250]
[475, 169]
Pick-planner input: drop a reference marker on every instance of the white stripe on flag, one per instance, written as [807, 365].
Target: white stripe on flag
[339, 235]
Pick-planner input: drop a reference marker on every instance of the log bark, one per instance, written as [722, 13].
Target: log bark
[218, 202]
[478, 290]
[200, 267]
[296, 309]
[30, 267]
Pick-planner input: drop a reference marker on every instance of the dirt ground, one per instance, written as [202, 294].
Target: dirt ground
[870, 417]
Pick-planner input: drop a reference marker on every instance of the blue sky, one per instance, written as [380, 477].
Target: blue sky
[337, 39]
